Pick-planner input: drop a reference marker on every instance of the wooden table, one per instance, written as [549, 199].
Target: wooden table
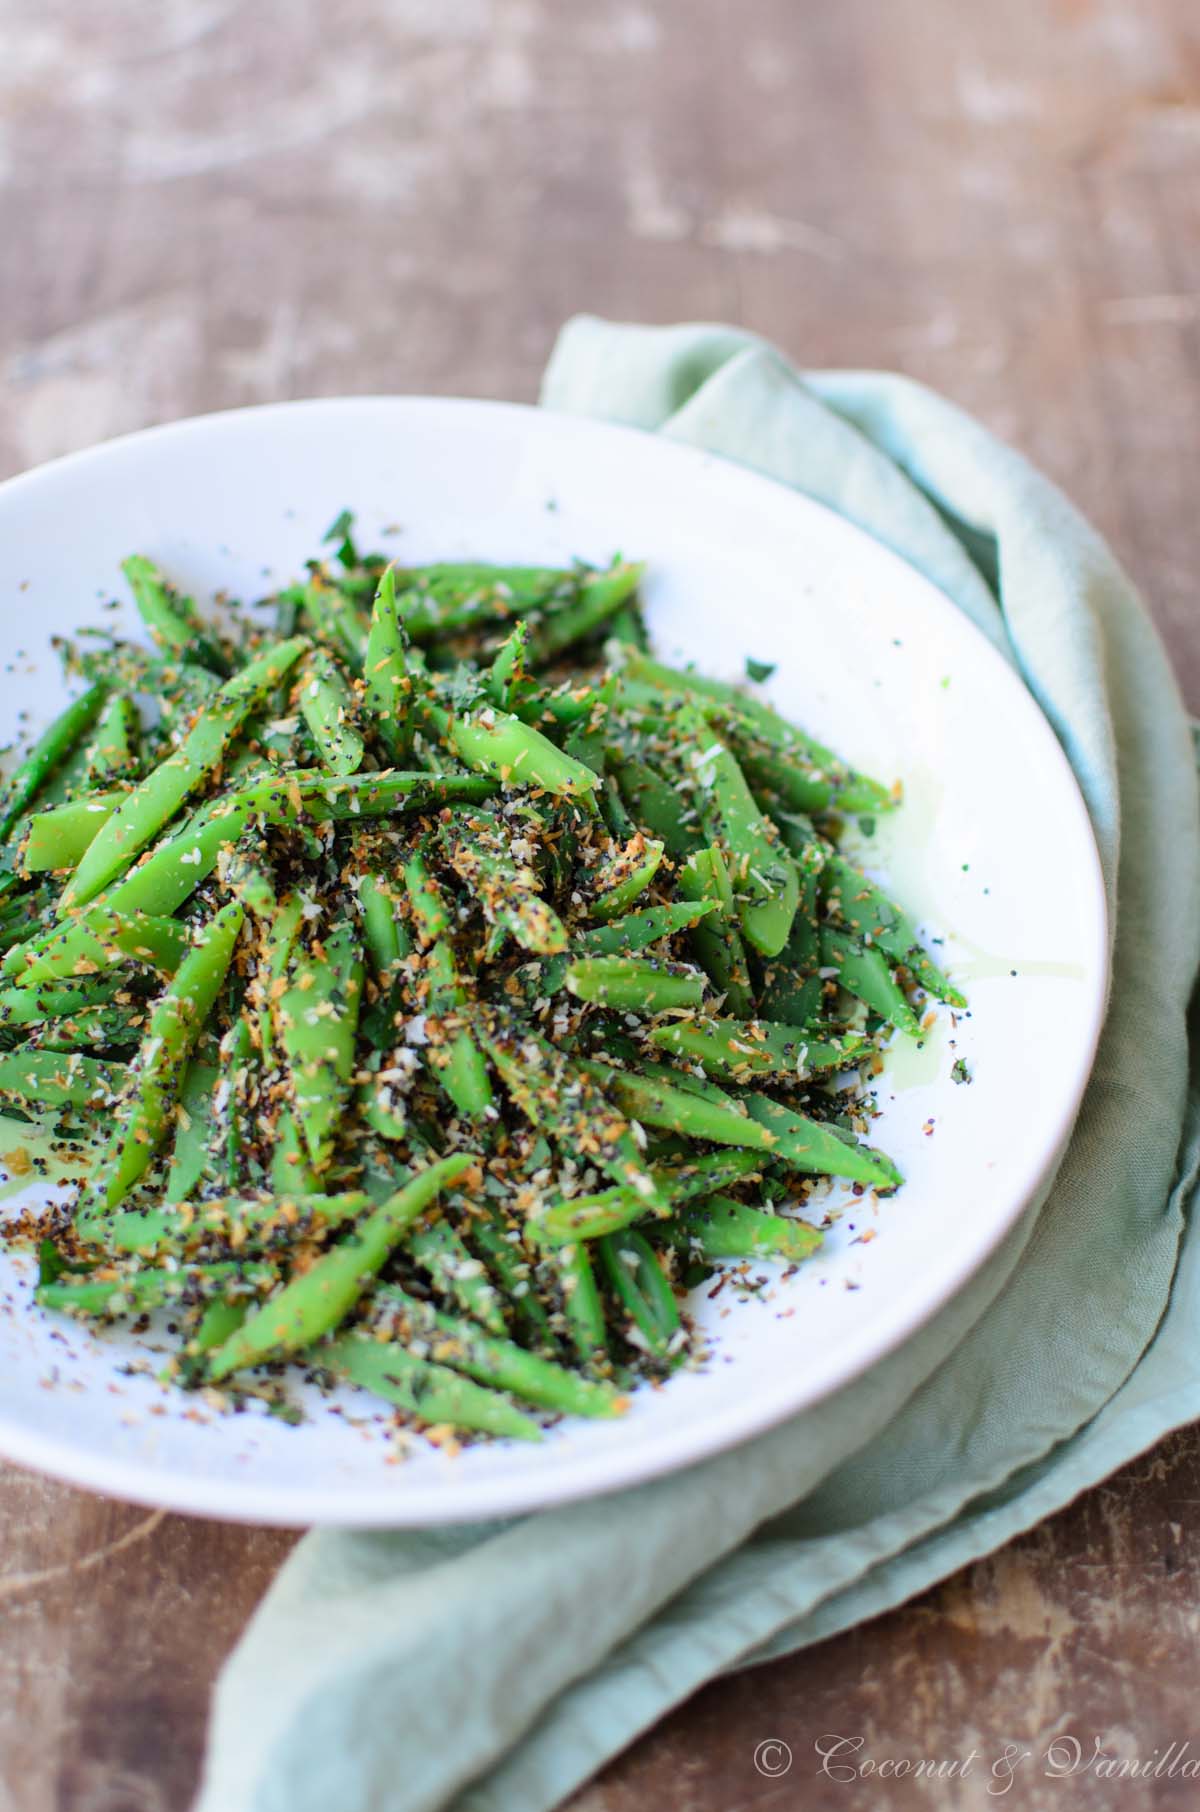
[214, 202]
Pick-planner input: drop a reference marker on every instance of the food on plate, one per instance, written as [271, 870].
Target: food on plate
[436, 984]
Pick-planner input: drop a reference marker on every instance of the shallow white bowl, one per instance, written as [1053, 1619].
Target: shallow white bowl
[992, 849]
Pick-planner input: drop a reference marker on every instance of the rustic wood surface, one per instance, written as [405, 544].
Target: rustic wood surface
[213, 202]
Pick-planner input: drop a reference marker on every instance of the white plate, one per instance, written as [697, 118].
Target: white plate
[993, 849]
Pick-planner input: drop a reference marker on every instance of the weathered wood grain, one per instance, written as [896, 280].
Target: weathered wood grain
[214, 202]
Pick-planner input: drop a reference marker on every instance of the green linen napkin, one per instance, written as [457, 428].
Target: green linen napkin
[493, 1668]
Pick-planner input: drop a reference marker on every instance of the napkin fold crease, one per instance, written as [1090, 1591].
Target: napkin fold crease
[494, 1668]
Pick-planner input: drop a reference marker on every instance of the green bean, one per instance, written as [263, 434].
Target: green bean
[246, 1224]
[51, 748]
[680, 1108]
[385, 937]
[21, 1007]
[716, 1170]
[583, 1310]
[740, 1049]
[627, 629]
[722, 1228]
[130, 1293]
[619, 882]
[142, 937]
[716, 942]
[563, 1100]
[385, 668]
[318, 1300]
[864, 910]
[451, 596]
[591, 1216]
[170, 618]
[453, 1056]
[600, 596]
[440, 1251]
[864, 794]
[637, 1281]
[657, 806]
[94, 1029]
[634, 984]
[638, 930]
[496, 743]
[765, 879]
[483, 854]
[317, 1020]
[291, 1166]
[175, 868]
[431, 1392]
[50, 1079]
[189, 1154]
[58, 838]
[335, 618]
[425, 899]
[583, 1217]
[509, 1266]
[114, 750]
[863, 971]
[327, 705]
[508, 682]
[222, 1317]
[154, 801]
[149, 1097]
[819, 1150]
[461, 1346]
[226, 1140]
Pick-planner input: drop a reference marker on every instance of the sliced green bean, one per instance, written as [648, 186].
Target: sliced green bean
[716, 941]
[327, 705]
[863, 971]
[51, 1079]
[820, 1150]
[741, 1049]
[765, 880]
[583, 1311]
[317, 1301]
[722, 1228]
[114, 751]
[171, 618]
[625, 878]
[460, 1345]
[441, 1251]
[431, 1392]
[634, 984]
[600, 596]
[131, 1293]
[385, 669]
[639, 1285]
[52, 747]
[154, 801]
[59, 837]
[149, 1097]
[496, 743]
[317, 1021]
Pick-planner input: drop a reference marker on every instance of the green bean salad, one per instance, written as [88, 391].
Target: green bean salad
[434, 988]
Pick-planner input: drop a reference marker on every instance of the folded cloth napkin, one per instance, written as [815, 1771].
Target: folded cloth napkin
[493, 1668]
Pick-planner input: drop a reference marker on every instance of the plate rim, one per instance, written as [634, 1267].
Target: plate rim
[580, 1477]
